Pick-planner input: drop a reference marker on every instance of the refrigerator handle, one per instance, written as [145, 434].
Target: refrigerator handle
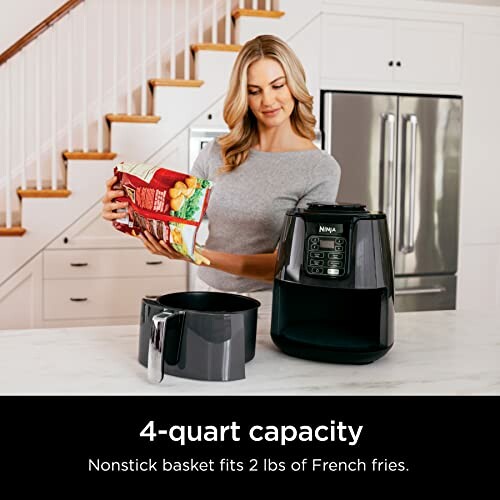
[420, 291]
[388, 165]
[328, 118]
[409, 216]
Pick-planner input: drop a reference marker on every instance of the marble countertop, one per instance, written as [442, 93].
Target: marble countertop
[443, 352]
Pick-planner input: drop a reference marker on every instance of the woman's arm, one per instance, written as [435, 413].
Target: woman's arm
[258, 266]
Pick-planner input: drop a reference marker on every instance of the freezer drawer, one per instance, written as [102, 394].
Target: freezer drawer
[425, 293]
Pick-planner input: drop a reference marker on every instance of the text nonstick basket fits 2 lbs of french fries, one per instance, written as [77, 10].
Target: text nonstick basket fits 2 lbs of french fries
[168, 204]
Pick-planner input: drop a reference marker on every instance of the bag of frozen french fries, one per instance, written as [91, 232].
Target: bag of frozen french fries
[168, 204]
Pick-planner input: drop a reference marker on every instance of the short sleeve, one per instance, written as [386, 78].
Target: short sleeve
[201, 166]
[323, 184]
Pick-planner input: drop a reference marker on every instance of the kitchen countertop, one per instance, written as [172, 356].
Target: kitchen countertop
[442, 352]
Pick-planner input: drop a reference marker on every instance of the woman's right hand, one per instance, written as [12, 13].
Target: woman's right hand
[108, 203]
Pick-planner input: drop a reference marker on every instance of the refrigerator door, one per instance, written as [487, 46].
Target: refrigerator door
[359, 130]
[426, 226]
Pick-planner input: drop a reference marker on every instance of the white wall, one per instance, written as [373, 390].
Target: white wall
[495, 3]
[18, 17]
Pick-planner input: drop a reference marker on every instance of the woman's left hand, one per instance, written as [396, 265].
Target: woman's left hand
[160, 247]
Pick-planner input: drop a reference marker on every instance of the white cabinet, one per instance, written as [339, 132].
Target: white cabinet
[428, 52]
[95, 275]
[104, 299]
[108, 263]
[372, 49]
[356, 48]
[109, 283]
[20, 298]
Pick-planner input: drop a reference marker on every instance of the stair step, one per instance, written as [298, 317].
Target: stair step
[89, 155]
[43, 193]
[133, 118]
[275, 14]
[166, 82]
[12, 231]
[221, 47]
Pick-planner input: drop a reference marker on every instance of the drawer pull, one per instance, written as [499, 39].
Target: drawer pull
[153, 262]
[78, 299]
[79, 264]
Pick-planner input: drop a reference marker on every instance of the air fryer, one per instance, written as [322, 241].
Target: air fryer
[333, 295]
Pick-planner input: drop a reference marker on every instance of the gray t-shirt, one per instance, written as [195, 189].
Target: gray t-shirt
[248, 205]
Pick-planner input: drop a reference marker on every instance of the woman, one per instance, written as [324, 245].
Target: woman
[265, 165]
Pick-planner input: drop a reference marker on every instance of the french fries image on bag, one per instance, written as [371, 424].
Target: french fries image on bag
[180, 192]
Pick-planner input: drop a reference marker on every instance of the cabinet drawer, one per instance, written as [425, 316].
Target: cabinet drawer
[70, 264]
[103, 298]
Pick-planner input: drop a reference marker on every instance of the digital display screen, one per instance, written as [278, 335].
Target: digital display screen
[328, 244]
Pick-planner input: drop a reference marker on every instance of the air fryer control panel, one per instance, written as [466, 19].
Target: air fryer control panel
[326, 255]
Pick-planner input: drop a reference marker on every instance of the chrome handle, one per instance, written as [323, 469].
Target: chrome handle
[388, 165]
[157, 346]
[420, 291]
[160, 348]
[328, 115]
[78, 299]
[391, 120]
[153, 262]
[78, 264]
[409, 215]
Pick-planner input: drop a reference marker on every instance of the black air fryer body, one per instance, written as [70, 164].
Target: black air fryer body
[333, 296]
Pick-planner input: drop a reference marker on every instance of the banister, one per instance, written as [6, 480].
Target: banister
[38, 30]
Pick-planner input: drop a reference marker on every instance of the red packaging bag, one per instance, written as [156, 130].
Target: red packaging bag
[168, 204]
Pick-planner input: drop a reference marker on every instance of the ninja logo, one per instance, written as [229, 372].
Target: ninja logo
[327, 229]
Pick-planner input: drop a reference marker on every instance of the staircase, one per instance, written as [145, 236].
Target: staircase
[152, 67]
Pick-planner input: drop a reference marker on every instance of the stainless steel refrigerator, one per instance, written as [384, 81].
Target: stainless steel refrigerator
[401, 154]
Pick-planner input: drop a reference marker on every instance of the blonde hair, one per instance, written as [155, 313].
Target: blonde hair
[242, 123]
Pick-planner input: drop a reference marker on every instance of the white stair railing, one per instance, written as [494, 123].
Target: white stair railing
[200, 21]
[38, 159]
[69, 82]
[214, 21]
[100, 135]
[8, 199]
[56, 90]
[53, 161]
[144, 82]
[85, 87]
[186, 41]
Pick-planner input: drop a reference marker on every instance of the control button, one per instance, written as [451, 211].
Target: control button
[337, 256]
[340, 241]
[339, 249]
[315, 270]
[332, 255]
[314, 247]
[317, 255]
[335, 263]
[313, 262]
[333, 272]
[315, 239]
